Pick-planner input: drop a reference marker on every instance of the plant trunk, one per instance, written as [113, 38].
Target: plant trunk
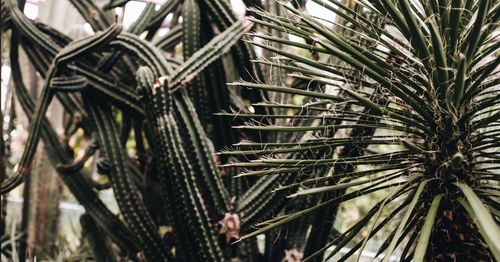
[45, 187]
[455, 237]
[46, 192]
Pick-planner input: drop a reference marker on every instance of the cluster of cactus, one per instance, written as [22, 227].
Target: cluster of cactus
[168, 106]
[418, 77]
[89, 76]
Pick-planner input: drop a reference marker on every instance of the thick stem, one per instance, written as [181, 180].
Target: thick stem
[455, 237]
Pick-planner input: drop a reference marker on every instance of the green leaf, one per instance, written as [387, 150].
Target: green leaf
[404, 220]
[479, 212]
[423, 240]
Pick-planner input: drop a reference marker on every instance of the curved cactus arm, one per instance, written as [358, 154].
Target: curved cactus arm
[118, 93]
[78, 48]
[214, 49]
[49, 49]
[146, 52]
[115, 3]
[95, 16]
[167, 8]
[82, 191]
[144, 19]
[27, 28]
[126, 193]
[168, 41]
[71, 51]
[68, 84]
[108, 61]
[22, 169]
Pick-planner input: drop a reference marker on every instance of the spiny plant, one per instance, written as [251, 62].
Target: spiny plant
[95, 79]
[401, 99]
[375, 108]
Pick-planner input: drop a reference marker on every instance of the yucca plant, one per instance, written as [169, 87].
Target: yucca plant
[406, 106]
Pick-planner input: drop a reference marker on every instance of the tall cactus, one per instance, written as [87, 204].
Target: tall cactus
[178, 174]
[74, 180]
[126, 192]
[87, 66]
[305, 142]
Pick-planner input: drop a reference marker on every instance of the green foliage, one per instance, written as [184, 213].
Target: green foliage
[420, 76]
[90, 77]
[397, 100]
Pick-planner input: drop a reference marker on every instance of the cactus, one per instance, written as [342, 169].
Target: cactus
[100, 246]
[291, 163]
[71, 67]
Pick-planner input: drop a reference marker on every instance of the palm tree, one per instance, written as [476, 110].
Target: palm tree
[407, 106]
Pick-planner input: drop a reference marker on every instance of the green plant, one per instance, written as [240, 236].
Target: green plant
[421, 79]
[394, 99]
[93, 78]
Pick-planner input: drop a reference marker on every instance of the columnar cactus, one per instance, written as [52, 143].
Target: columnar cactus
[394, 97]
